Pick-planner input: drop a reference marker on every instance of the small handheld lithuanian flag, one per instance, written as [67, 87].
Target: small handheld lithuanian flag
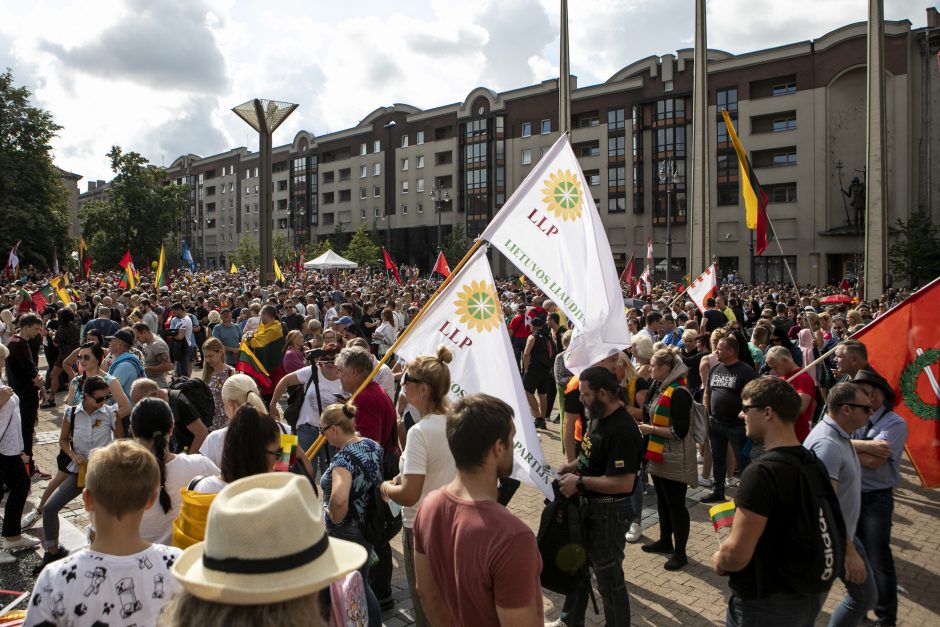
[722, 515]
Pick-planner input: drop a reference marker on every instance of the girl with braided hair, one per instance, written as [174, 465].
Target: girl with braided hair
[152, 422]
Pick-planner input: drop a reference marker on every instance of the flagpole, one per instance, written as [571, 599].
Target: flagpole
[782, 256]
[318, 444]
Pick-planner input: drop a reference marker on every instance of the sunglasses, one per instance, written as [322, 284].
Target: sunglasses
[409, 379]
[324, 428]
[99, 399]
[857, 406]
[86, 357]
[747, 408]
[276, 454]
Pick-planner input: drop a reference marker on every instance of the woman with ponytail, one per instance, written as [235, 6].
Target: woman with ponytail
[152, 421]
[237, 391]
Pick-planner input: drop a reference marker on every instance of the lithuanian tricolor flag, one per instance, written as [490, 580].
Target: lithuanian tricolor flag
[722, 515]
[261, 356]
[755, 200]
[41, 297]
[130, 273]
[159, 279]
[60, 291]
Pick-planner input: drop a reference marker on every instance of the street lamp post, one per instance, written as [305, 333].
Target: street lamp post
[440, 195]
[667, 176]
[265, 116]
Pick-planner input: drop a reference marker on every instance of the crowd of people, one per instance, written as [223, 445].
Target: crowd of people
[175, 452]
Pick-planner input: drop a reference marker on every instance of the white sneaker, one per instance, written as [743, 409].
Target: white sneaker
[633, 535]
[733, 482]
[24, 542]
[6, 558]
[556, 623]
[699, 458]
[29, 520]
[705, 483]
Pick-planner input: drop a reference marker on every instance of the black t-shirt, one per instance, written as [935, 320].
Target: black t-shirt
[612, 446]
[714, 319]
[771, 489]
[294, 321]
[183, 414]
[692, 361]
[726, 383]
[365, 320]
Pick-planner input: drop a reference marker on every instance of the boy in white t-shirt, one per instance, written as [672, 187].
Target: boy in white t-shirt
[120, 579]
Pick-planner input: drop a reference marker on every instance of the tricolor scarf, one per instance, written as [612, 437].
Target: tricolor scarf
[662, 418]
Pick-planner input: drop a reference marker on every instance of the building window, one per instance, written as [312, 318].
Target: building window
[727, 169]
[363, 171]
[614, 119]
[546, 127]
[670, 108]
[782, 89]
[362, 148]
[419, 187]
[404, 141]
[362, 214]
[526, 157]
[784, 158]
[376, 169]
[475, 153]
[376, 212]
[781, 192]
[543, 150]
[377, 146]
[419, 161]
[404, 187]
[616, 177]
[615, 147]
[376, 191]
[727, 195]
[616, 204]
[256, 190]
[769, 269]
[667, 86]
[589, 151]
[787, 123]
[404, 210]
[670, 141]
[256, 172]
[527, 129]
[404, 165]
[363, 192]
[727, 99]
[593, 178]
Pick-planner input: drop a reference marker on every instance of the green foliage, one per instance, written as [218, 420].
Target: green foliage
[247, 254]
[141, 209]
[320, 248]
[283, 251]
[33, 201]
[362, 247]
[915, 256]
[456, 245]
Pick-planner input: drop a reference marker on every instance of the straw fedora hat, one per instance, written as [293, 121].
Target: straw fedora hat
[265, 543]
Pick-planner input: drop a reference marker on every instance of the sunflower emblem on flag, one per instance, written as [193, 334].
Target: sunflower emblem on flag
[478, 307]
[563, 195]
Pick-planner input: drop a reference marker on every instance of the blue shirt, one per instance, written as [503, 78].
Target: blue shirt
[369, 455]
[231, 337]
[126, 370]
[833, 447]
[885, 425]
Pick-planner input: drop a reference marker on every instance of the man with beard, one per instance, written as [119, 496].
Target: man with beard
[604, 476]
[467, 574]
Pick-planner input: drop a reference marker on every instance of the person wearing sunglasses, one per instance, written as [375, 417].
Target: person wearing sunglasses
[89, 425]
[831, 439]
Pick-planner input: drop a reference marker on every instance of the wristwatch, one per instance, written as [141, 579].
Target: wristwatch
[580, 485]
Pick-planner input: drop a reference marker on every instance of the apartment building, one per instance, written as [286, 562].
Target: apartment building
[799, 110]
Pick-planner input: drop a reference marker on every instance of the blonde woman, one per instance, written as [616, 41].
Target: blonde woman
[238, 390]
[426, 463]
[294, 352]
[642, 353]
[215, 372]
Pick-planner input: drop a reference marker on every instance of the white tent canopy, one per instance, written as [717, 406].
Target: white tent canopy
[329, 260]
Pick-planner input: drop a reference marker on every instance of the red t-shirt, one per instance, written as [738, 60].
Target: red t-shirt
[804, 384]
[481, 557]
[518, 327]
[375, 415]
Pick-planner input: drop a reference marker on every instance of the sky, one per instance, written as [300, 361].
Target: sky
[161, 77]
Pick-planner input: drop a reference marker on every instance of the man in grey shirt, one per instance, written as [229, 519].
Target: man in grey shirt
[831, 441]
[156, 354]
[230, 335]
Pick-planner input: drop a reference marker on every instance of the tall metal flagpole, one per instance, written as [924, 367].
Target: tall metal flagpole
[876, 208]
[782, 256]
[564, 74]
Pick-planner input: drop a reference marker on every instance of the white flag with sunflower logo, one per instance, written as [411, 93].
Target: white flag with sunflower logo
[467, 318]
[550, 229]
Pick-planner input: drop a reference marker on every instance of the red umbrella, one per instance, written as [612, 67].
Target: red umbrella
[837, 298]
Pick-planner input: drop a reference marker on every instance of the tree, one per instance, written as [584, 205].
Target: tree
[456, 245]
[283, 251]
[321, 247]
[362, 248]
[140, 211]
[915, 255]
[33, 201]
[247, 254]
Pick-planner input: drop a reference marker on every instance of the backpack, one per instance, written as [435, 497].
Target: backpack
[815, 557]
[197, 393]
[379, 524]
[542, 350]
[562, 545]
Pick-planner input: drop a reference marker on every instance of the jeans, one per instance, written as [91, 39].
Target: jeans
[182, 366]
[719, 435]
[13, 476]
[307, 434]
[353, 534]
[859, 597]
[636, 499]
[777, 610]
[381, 575]
[874, 530]
[674, 520]
[67, 491]
[605, 525]
[29, 414]
[408, 550]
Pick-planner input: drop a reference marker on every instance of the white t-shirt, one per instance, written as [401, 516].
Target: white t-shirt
[157, 526]
[90, 432]
[91, 588]
[11, 433]
[309, 412]
[210, 485]
[427, 453]
[186, 324]
[385, 379]
[212, 446]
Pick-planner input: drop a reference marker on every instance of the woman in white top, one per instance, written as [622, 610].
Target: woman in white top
[386, 333]
[427, 463]
[238, 389]
[152, 421]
